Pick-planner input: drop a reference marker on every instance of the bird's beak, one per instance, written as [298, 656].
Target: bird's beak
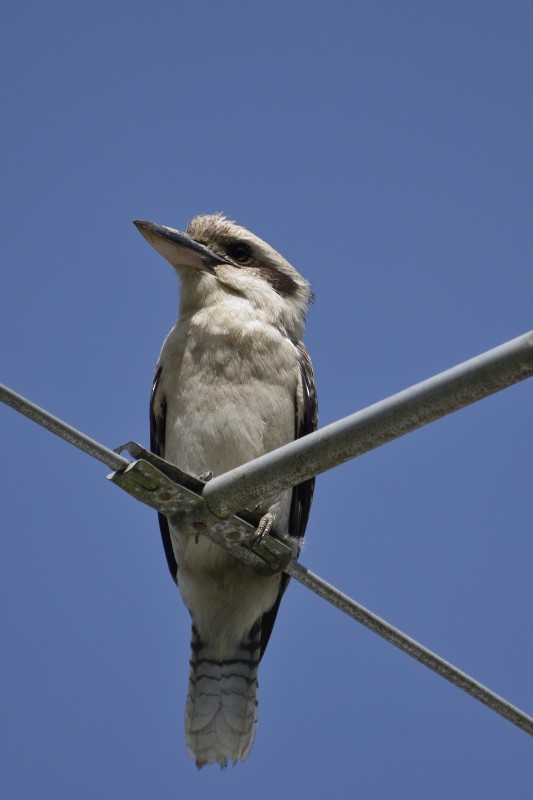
[179, 249]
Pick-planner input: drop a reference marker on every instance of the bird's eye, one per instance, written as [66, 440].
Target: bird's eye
[240, 252]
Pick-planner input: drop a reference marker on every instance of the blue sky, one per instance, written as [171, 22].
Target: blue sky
[385, 149]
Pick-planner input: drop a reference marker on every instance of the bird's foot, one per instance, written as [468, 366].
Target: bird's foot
[266, 523]
[206, 476]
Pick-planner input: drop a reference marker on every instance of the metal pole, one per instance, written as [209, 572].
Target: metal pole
[411, 647]
[365, 430]
[61, 429]
[297, 571]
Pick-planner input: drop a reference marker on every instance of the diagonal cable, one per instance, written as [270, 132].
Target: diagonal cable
[410, 646]
[423, 403]
[61, 429]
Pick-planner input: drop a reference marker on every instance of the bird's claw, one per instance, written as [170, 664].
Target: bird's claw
[206, 476]
[266, 523]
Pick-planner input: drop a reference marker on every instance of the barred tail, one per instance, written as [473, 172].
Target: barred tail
[221, 709]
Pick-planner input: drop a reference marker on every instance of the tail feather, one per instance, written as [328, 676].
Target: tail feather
[221, 709]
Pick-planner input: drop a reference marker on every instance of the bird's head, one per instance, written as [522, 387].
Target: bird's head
[216, 257]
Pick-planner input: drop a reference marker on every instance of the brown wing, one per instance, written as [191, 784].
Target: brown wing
[306, 421]
[158, 422]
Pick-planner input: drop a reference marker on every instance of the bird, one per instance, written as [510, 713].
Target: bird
[233, 381]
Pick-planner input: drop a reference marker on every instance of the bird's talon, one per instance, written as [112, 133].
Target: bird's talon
[266, 524]
[206, 476]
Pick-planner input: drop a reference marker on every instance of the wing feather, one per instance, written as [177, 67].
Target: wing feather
[158, 423]
[306, 421]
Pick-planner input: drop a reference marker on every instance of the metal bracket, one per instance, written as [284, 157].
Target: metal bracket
[178, 496]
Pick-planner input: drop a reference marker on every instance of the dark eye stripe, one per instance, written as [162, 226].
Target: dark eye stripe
[281, 283]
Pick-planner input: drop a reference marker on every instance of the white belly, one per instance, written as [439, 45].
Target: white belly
[222, 411]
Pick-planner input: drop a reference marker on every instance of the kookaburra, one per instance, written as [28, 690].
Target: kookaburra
[233, 382]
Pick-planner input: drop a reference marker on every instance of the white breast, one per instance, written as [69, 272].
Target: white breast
[230, 385]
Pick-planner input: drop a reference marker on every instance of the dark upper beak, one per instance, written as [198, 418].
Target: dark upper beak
[179, 249]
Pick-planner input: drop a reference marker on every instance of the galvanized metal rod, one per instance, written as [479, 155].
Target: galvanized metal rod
[61, 429]
[365, 430]
[295, 570]
[410, 646]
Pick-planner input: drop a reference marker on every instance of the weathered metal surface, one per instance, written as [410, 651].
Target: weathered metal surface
[177, 495]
